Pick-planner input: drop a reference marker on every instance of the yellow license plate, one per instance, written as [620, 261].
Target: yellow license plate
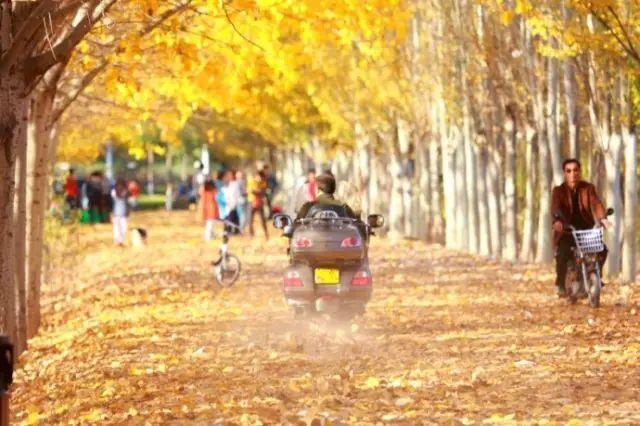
[327, 276]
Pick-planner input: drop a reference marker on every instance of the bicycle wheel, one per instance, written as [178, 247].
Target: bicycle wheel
[594, 291]
[226, 270]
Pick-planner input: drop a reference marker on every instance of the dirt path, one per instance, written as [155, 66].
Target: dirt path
[447, 338]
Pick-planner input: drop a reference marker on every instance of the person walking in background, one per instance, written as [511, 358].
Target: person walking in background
[311, 186]
[94, 195]
[120, 194]
[271, 187]
[210, 210]
[71, 191]
[256, 189]
[134, 192]
[222, 203]
[231, 198]
[242, 201]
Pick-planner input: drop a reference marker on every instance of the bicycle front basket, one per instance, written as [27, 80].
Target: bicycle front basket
[589, 240]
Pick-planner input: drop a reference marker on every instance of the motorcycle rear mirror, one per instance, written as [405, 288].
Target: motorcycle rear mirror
[610, 211]
[281, 221]
[375, 220]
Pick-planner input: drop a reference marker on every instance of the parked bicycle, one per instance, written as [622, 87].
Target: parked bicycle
[584, 278]
[226, 269]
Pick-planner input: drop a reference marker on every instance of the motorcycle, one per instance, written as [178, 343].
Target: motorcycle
[328, 268]
[584, 279]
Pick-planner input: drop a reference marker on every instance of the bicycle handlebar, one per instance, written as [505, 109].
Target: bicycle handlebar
[227, 223]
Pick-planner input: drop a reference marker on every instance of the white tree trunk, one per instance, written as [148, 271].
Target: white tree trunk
[20, 247]
[630, 208]
[435, 212]
[510, 251]
[552, 121]
[544, 252]
[422, 194]
[362, 160]
[462, 210]
[449, 193]
[484, 228]
[471, 176]
[527, 252]
[150, 176]
[39, 163]
[614, 199]
[493, 190]
[396, 206]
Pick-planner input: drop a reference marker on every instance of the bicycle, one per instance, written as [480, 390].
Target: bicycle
[226, 269]
[583, 273]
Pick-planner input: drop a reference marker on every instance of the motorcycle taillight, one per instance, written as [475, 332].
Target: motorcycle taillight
[350, 242]
[302, 242]
[292, 279]
[361, 278]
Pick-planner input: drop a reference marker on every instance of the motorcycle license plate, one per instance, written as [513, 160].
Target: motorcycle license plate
[327, 276]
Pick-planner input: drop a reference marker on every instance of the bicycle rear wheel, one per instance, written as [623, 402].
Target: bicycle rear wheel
[594, 290]
[226, 270]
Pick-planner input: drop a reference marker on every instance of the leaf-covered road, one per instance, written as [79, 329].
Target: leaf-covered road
[447, 338]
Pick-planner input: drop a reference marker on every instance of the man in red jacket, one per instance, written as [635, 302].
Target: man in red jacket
[579, 206]
[71, 191]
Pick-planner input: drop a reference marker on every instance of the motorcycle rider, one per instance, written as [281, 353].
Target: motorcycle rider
[580, 207]
[326, 186]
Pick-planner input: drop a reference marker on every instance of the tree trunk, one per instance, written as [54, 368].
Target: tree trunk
[150, 176]
[435, 209]
[493, 190]
[422, 193]
[168, 202]
[449, 182]
[362, 158]
[39, 140]
[484, 228]
[20, 254]
[184, 165]
[473, 243]
[630, 209]
[462, 210]
[544, 251]
[568, 72]
[552, 121]
[396, 201]
[510, 251]
[12, 128]
[614, 199]
[527, 252]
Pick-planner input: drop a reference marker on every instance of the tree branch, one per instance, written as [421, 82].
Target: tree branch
[40, 63]
[68, 98]
[226, 13]
[31, 24]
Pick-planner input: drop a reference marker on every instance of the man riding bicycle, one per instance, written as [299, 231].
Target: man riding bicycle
[580, 207]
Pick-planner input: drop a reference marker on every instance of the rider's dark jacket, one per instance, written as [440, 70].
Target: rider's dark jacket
[326, 199]
[590, 208]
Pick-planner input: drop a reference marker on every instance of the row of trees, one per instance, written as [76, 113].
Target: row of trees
[450, 116]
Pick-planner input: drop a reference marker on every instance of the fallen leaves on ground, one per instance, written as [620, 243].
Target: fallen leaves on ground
[146, 336]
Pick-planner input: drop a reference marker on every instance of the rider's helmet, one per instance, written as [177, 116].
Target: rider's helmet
[326, 183]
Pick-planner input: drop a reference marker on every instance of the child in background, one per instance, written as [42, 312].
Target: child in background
[120, 211]
[210, 211]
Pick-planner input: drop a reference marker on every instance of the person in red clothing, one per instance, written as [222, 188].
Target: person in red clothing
[71, 190]
[210, 210]
[134, 191]
[311, 186]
